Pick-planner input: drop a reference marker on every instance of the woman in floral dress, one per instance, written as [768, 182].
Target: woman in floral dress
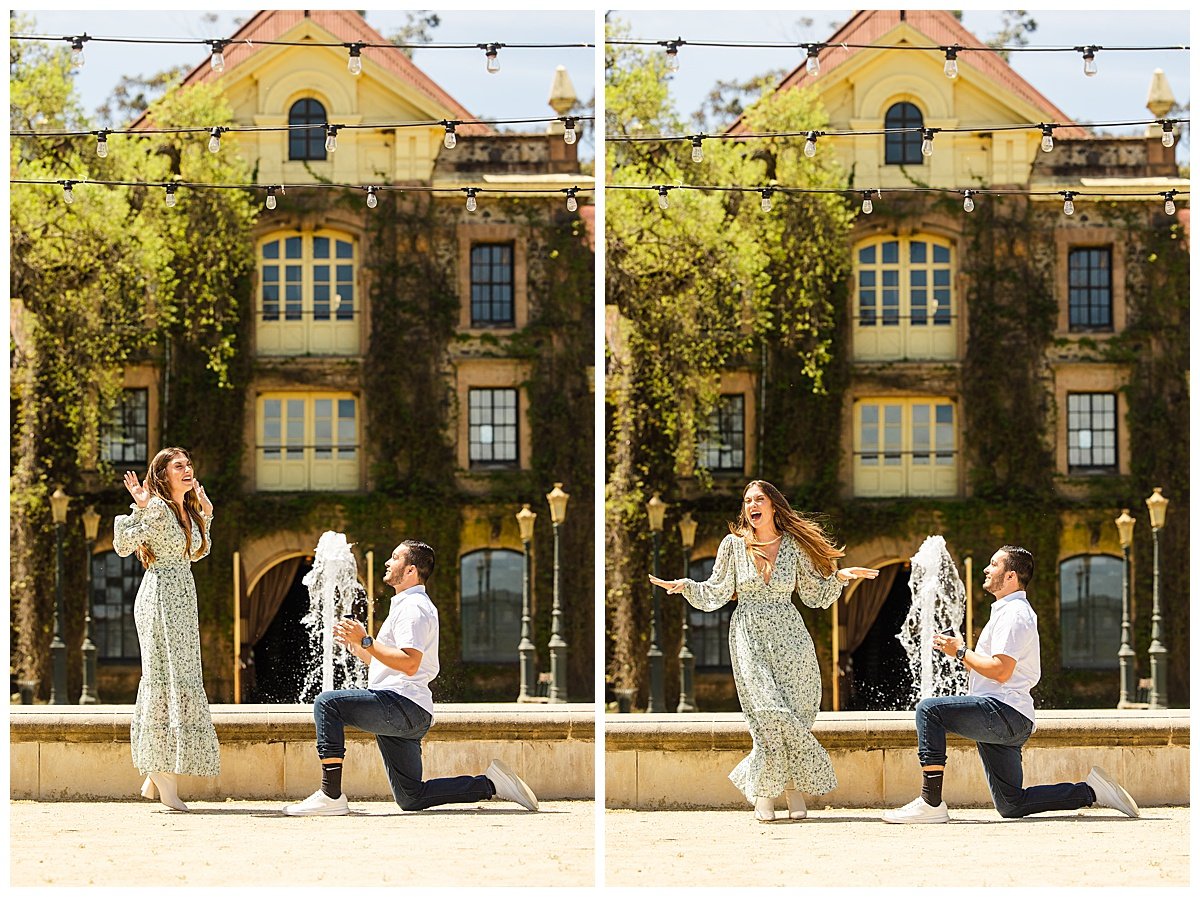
[172, 731]
[771, 552]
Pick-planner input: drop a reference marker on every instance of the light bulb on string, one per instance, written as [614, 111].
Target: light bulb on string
[766, 193]
[68, 192]
[1169, 203]
[102, 144]
[968, 202]
[1089, 60]
[354, 62]
[812, 64]
[472, 205]
[697, 150]
[331, 138]
[1168, 133]
[492, 56]
[450, 140]
[372, 199]
[663, 202]
[569, 135]
[572, 202]
[77, 50]
[1047, 138]
[673, 55]
[951, 66]
[867, 206]
[214, 140]
[810, 144]
[271, 201]
[218, 55]
[1068, 202]
[169, 199]
[927, 142]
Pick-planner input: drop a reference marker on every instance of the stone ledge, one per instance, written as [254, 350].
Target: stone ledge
[894, 729]
[239, 723]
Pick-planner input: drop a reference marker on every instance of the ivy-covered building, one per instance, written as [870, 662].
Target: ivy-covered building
[1011, 374]
[408, 370]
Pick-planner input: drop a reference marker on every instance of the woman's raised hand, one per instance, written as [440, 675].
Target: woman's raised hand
[141, 495]
[849, 574]
[205, 505]
[673, 586]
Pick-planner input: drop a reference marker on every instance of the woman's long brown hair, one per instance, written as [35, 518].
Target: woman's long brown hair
[820, 549]
[156, 484]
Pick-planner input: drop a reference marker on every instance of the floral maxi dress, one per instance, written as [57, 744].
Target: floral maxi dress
[774, 664]
[172, 728]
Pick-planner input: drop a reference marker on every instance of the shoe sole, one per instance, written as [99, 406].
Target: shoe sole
[515, 782]
[915, 821]
[338, 811]
[1118, 798]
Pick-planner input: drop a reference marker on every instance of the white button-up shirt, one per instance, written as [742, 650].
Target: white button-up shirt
[1012, 630]
[411, 623]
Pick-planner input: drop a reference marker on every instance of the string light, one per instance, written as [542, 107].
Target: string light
[663, 202]
[1068, 201]
[492, 57]
[271, 202]
[77, 50]
[450, 140]
[1089, 60]
[569, 131]
[927, 141]
[372, 199]
[471, 204]
[1169, 203]
[951, 66]
[169, 199]
[218, 55]
[673, 54]
[354, 62]
[766, 199]
[331, 138]
[214, 140]
[810, 144]
[867, 206]
[102, 143]
[68, 193]
[697, 150]
[968, 202]
[572, 202]
[812, 64]
[1168, 133]
[1047, 138]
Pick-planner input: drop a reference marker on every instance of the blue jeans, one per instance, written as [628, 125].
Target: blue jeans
[998, 731]
[398, 725]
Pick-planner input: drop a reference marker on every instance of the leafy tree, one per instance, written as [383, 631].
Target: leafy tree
[417, 29]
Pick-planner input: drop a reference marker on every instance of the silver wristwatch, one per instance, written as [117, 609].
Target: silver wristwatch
[961, 653]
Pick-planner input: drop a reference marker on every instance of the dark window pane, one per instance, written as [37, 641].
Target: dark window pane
[1092, 433]
[492, 286]
[491, 605]
[125, 437]
[492, 427]
[115, 582]
[1089, 589]
[1089, 289]
[307, 143]
[724, 448]
[905, 148]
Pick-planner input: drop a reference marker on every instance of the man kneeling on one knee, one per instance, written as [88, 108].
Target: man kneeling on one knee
[397, 705]
[997, 711]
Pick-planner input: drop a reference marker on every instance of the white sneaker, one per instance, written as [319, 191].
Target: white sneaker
[1110, 794]
[510, 787]
[917, 811]
[319, 804]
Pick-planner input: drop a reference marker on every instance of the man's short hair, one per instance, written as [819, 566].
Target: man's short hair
[1019, 561]
[420, 556]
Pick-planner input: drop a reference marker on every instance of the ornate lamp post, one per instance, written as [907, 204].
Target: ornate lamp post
[525, 519]
[656, 508]
[1158, 651]
[687, 660]
[91, 526]
[58, 649]
[1126, 656]
[558, 647]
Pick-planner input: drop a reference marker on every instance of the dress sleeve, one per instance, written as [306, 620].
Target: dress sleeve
[814, 589]
[720, 586]
[207, 518]
[134, 529]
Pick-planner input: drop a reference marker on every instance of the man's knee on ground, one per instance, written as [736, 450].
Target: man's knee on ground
[1008, 811]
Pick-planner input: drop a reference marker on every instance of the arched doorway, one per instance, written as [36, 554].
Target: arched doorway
[876, 668]
[279, 660]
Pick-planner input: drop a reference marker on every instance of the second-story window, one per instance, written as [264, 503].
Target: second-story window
[724, 446]
[904, 446]
[1089, 292]
[307, 143]
[1092, 432]
[905, 299]
[125, 438]
[307, 295]
[307, 442]
[492, 427]
[492, 285]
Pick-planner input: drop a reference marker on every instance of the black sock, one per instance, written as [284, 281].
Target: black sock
[931, 786]
[1091, 791]
[331, 779]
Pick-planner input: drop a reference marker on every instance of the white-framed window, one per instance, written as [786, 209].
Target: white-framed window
[491, 582]
[307, 442]
[904, 299]
[308, 302]
[905, 446]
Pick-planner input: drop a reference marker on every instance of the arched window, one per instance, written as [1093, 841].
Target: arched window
[708, 634]
[115, 582]
[306, 302]
[904, 298]
[491, 605]
[1089, 598]
[307, 143]
[903, 148]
